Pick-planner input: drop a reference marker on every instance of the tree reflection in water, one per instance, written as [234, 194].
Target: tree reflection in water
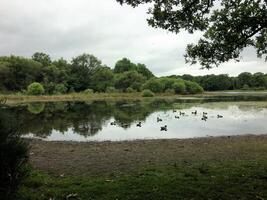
[85, 118]
[88, 118]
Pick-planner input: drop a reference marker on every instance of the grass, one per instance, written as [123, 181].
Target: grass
[13, 98]
[200, 169]
[227, 180]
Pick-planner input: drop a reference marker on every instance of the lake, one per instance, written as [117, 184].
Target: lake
[93, 120]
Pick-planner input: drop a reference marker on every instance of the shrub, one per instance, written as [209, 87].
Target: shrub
[130, 90]
[193, 88]
[60, 89]
[179, 87]
[35, 89]
[147, 93]
[111, 90]
[13, 156]
[88, 91]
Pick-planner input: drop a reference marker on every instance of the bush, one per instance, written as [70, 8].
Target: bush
[13, 156]
[179, 87]
[130, 90]
[60, 89]
[88, 91]
[147, 93]
[111, 90]
[193, 88]
[35, 89]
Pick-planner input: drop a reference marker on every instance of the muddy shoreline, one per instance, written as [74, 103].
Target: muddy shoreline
[109, 158]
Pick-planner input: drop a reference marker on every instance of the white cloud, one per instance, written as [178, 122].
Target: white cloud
[104, 28]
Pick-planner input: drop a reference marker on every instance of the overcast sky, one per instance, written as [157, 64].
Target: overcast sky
[104, 28]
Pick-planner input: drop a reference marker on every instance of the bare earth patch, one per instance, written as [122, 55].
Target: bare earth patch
[107, 158]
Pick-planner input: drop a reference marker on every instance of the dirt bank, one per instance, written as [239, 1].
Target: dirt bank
[104, 158]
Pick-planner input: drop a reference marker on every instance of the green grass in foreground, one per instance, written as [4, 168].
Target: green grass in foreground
[241, 179]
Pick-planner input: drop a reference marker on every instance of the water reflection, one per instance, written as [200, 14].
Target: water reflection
[85, 121]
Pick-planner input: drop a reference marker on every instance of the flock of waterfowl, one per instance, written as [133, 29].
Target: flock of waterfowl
[204, 117]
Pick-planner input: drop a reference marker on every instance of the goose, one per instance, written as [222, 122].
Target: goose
[219, 116]
[205, 113]
[163, 128]
[159, 120]
[139, 124]
[182, 113]
[125, 125]
[174, 111]
[204, 119]
[113, 123]
[177, 117]
[194, 113]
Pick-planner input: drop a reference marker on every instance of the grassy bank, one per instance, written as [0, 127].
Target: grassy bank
[208, 168]
[13, 98]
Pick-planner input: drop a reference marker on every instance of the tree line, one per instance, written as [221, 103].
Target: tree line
[244, 81]
[84, 73]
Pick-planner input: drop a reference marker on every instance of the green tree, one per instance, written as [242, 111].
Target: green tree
[124, 65]
[130, 79]
[102, 79]
[229, 26]
[142, 69]
[60, 89]
[155, 85]
[42, 58]
[19, 72]
[245, 78]
[4, 75]
[82, 69]
[259, 80]
[179, 87]
[193, 87]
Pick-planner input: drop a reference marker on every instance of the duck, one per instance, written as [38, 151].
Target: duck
[159, 120]
[174, 111]
[177, 117]
[205, 113]
[194, 113]
[139, 124]
[182, 113]
[219, 116]
[163, 128]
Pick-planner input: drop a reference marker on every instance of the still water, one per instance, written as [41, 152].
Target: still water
[92, 121]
